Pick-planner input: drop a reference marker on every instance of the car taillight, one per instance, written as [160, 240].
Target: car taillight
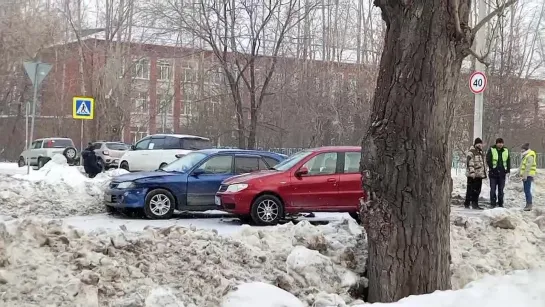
[179, 155]
[105, 152]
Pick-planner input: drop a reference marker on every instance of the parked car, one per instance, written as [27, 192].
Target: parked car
[189, 183]
[156, 151]
[42, 150]
[109, 153]
[322, 179]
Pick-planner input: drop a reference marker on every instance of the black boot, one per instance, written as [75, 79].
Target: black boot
[475, 205]
[466, 204]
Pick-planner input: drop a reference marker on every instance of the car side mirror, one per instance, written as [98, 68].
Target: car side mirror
[133, 147]
[302, 171]
[197, 172]
[179, 155]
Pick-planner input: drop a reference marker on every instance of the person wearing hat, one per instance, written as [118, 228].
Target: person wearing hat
[90, 161]
[528, 170]
[475, 173]
[499, 165]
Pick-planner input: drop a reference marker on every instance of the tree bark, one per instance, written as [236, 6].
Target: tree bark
[406, 158]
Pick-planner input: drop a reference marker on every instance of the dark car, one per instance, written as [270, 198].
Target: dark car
[187, 184]
[314, 180]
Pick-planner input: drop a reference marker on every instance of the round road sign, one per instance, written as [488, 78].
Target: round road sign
[477, 82]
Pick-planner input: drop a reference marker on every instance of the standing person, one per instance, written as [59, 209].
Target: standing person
[528, 170]
[90, 161]
[475, 172]
[499, 165]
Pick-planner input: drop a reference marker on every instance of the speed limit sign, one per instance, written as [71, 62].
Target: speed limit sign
[477, 82]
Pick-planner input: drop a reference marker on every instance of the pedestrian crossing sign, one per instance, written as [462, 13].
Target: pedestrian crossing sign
[83, 108]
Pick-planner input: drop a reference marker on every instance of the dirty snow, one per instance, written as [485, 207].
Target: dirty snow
[56, 190]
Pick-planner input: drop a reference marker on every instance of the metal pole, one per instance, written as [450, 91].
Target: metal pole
[34, 101]
[27, 107]
[480, 42]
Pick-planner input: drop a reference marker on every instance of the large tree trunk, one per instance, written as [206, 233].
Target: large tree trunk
[406, 156]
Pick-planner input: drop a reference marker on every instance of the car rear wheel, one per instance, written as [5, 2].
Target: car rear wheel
[267, 210]
[159, 204]
[124, 165]
[70, 154]
[162, 165]
[21, 162]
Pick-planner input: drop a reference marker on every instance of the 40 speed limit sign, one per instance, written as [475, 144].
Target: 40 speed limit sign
[477, 82]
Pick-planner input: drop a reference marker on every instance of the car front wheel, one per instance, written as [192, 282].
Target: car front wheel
[159, 204]
[267, 210]
[124, 165]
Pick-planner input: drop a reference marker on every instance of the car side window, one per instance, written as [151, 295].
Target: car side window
[246, 164]
[217, 165]
[263, 165]
[156, 143]
[322, 164]
[270, 161]
[352, 162]
[97, 145]
[172, 143]
[37, 144]
[143, 144]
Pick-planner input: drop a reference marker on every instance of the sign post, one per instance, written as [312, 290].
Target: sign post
[36, 71]
[83, 108]
[477, 85]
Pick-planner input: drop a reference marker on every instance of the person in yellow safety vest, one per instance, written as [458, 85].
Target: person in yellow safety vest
[499, 165]
[528, 170]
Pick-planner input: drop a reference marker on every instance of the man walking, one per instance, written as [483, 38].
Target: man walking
[475, 172]
[499, 165]
[528, 170]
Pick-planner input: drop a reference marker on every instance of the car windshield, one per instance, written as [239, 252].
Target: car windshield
[117, 146]
[58, 143]
[292, 160]
[185, 163]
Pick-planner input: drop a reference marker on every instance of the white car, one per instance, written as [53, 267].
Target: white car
[42, 150]
[155, 151]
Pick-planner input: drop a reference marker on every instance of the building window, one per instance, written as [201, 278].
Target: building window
[164, 70]
[138, 133]
[165, 103]
[190, 96]
[140, 69]
[140, 102]
[190, 72]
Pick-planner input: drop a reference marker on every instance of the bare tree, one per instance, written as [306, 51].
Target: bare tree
[406, 157]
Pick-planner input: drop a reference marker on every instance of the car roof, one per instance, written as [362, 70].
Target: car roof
[212, 151]
[180, 136]
[53, 138]
[335, 148]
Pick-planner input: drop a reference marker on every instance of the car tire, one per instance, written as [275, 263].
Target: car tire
[355, 216]
[163, 165]
[124, 165]
[159, 204]
[267, 210]
[111, 210]
[41, 162]
[21, 162]
[70, 153]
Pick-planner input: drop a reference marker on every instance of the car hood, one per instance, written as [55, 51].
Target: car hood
[251, 176]
[142, 175]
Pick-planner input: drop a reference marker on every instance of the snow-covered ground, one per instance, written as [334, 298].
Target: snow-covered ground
[57, 248]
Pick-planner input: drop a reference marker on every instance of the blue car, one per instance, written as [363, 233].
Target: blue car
[187, 184]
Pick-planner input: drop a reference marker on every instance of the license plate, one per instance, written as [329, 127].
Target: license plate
[217, 200]
[108, 198]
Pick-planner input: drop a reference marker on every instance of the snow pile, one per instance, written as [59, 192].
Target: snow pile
[260, 294]
[514, 193]
[496, 242]
[55, 190]
[47, 264]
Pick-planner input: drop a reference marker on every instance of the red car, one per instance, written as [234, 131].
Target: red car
[314, 180]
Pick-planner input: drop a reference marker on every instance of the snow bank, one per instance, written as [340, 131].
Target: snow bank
[56, 190]
[49, 264]
[260, 294]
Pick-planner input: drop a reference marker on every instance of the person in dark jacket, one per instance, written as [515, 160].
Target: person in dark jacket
[90, 161]
[475, 173]
[499, 165]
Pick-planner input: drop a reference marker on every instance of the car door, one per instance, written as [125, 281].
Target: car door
[204, 181]
[350, 189]
[138, 156]
[319, 188]
[35, 151]
[154, 156]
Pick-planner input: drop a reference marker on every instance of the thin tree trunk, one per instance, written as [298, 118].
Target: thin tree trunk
[406, 157]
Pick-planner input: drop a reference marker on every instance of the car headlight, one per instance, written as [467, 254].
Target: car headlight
[126, 185]
[236, 187]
